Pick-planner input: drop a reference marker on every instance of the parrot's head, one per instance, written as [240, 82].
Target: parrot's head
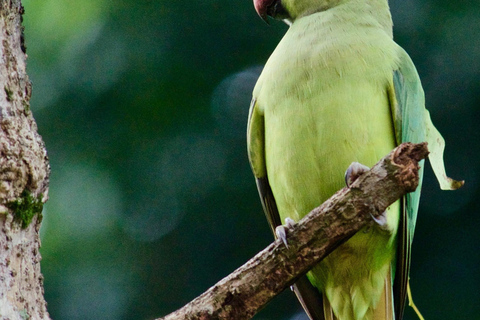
[272, 8]
[290, 10]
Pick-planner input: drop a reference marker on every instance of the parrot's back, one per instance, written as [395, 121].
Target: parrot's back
[324, 97]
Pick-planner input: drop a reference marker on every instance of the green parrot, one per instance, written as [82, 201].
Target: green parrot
[336, 90]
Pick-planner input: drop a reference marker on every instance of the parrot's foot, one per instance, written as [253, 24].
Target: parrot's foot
[281, 231]
[354, 171]
[381, 220]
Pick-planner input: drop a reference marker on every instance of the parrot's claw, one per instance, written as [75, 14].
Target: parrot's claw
[281, 231]
[381, 220]
[354, 171]
[289, 222]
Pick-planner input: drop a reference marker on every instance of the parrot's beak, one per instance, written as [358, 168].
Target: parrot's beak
[262, 6]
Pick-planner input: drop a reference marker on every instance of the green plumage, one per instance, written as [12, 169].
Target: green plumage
[338, 89]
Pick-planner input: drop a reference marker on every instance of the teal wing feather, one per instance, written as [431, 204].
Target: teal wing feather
[308, 295]
[413, 124]
[408, 113]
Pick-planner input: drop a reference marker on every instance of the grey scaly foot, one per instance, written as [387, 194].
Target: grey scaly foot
[281, 231]
[381, 220]
[354, 171]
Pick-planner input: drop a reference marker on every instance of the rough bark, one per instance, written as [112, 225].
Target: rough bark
[24, 173]
[241, 294]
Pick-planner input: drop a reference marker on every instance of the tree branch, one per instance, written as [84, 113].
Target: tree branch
[241, 294]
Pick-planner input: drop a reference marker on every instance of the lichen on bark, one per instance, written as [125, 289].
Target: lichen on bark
[25, 208]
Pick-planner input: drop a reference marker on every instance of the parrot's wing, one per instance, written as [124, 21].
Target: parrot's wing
[408, 109]
[256, 155]
[309, 296]
[413, 124]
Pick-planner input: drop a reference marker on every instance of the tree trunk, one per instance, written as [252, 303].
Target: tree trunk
[24, 173]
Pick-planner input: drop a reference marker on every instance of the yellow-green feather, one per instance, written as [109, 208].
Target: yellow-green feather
[324, 100]
[337, 89]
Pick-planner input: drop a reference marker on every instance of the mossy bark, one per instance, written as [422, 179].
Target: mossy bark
[24, 172]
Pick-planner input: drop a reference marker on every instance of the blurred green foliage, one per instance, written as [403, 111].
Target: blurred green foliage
[143, 107]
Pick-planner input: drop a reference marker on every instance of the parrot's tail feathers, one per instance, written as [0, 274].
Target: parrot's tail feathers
[327, 309]
[384, 308]
[310, 298]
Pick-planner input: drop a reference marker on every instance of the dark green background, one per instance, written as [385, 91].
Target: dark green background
[143, 107]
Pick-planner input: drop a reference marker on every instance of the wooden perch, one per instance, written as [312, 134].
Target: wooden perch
[245, 291]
